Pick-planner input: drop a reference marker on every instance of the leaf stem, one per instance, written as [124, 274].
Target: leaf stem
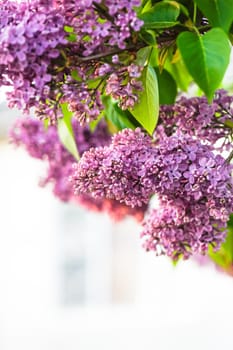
[194, 13]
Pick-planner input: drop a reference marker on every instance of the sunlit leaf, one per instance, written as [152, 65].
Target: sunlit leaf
[147, 110]
[164, 14]
[206, 57]
[218, 12]
[65, 132]
[119, 118]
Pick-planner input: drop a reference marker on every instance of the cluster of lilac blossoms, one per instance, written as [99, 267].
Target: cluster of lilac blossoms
[48, 56]
[30, 38]
[122, 171]
[195, 193]
[193, 185]
[210, 123]
[45, 145]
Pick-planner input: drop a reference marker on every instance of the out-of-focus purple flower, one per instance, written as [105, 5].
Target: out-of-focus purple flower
[45, 145]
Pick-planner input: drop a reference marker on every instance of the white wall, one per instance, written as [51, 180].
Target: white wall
[184, 307]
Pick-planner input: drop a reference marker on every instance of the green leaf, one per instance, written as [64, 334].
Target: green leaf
[142, 56]
[162, 15]
[162, 57]
[179, 73]
[119, 118]
[145, 6]
[218, 12]
[68, 29]
[148, 36]
[94, 123]
[153, 57]
[167, 87]
[94, 83]
[224, 256]
[228, 244]
[218, 258]
[46, 123]
[146, 111]
[72, 37]
[206, 57]
[65, 132]
[75, 75]
[147, 55]
[184, 10]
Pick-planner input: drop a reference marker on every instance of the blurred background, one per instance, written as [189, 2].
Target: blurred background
[72, 279]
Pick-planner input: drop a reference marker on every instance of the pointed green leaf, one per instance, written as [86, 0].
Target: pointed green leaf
[179, 73]
[145, 6]
[167, 87]
[142, 56]
[162, 15]
[65, 132]
[148, 36]
[119, 118]
[218, 12]
[146, 111]
[46, 123]
[206, 57]
[94, 123]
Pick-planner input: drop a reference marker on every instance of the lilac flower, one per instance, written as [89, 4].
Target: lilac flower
[122, 86]
[196, 117]
[121, 171]
[35, 52]
[28, 40]
[16, 35]
[180, 228]
[194, 186]
[196, 198]
[85, 105]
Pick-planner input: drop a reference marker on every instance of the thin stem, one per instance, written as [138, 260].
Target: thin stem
[206, 27]
[103, 12]
[229, 158]
[108, 53]
[194, 13]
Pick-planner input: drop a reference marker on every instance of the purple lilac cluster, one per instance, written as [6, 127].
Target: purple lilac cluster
[85, 104]
[38, 60]
[196, 117]
[194, 187]
[118, 19]
[122, 171]
[45, 145]
[31, 37]
[195, 191]
[124, 86]
[180, 228]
